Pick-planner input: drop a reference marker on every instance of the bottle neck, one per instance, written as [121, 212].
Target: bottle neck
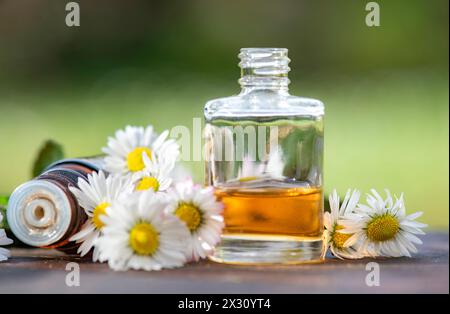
[264, 69]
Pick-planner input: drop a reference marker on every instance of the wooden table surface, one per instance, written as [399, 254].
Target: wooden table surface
[43, 271]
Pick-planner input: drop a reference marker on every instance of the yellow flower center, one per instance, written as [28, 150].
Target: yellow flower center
[99, 211]
[147, 183]
[382, 228]
[340, 238]
[144, 239]
[190, 214]
[134, 158]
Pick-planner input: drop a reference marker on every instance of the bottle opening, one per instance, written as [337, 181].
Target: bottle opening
[264, 67]
[40, 212]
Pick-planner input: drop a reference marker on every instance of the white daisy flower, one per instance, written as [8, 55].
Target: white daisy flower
[383, 228]
[94, 196]
[198, 209]
[4, 240]
[125, 150]
[154, 176]
[139, 235]
[338, 241]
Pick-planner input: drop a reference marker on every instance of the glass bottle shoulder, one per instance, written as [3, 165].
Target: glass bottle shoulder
[262, 103]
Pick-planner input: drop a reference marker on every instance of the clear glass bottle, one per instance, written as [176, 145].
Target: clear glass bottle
[264, 152]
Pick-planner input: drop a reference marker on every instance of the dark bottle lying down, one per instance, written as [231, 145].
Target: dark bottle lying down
[43, 212]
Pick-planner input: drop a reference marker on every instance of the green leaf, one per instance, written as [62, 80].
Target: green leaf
[50, 152]
[3, 205]
[4, 200]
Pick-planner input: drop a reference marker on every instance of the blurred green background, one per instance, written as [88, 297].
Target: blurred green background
[139, 62]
